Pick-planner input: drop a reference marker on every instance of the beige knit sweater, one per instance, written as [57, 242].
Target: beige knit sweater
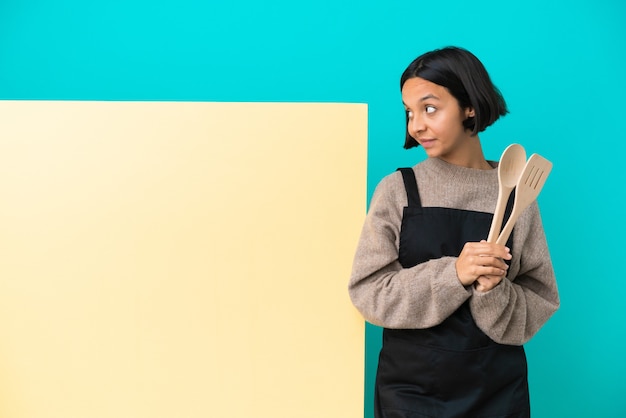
[423, 296]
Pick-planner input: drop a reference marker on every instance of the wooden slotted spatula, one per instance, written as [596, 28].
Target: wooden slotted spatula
[529, 185]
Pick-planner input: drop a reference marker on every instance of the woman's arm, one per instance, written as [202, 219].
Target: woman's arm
[513, 311]
[387, 294]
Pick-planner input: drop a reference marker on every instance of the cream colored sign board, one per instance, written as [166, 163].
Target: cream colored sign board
[180, 260]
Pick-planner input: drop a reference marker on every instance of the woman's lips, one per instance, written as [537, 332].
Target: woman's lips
[427, 142]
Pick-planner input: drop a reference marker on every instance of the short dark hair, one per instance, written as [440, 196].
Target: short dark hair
[466, 78]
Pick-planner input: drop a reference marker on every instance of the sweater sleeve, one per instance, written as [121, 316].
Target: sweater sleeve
[387, 294]
[513, 311]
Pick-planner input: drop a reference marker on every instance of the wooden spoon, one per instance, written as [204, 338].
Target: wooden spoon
[528, 187]
[509, 170]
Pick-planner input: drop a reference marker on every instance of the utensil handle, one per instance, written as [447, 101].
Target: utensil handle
[498, 215]
[508, 228]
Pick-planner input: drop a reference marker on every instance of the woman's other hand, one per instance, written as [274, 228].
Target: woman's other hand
[482, 264]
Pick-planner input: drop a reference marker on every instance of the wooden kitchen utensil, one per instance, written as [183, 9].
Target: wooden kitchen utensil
[529, 185]
[510, 168]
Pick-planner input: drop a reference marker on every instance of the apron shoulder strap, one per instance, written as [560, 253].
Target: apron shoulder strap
[410, 184]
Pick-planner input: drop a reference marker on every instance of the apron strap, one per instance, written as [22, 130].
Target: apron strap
[410, 184]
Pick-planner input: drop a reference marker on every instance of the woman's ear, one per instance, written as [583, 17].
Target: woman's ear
[469, 112]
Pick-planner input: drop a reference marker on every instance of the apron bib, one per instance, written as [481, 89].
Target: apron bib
[452, 369]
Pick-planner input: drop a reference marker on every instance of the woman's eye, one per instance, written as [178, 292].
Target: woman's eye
[430, 109]
[409, 114]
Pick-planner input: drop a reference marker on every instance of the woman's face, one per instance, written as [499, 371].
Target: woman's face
[435, 120]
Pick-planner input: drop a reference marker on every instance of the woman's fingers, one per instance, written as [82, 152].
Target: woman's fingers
[495, 250]
[481, 259]
[486, 283]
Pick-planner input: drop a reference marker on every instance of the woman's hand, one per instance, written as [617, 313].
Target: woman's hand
[486, 283]
[482, 264]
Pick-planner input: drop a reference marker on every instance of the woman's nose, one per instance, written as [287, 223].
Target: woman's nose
[416, 126]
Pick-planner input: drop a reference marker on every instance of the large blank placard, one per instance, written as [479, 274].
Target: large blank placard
[180, 259]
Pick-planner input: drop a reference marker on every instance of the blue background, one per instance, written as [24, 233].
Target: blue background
[559, 64]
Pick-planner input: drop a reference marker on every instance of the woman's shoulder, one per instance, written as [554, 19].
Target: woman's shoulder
[395, 178]
[390, 181]
[390, 190]
[392, 184]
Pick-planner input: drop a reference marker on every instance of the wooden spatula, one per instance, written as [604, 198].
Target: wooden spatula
[529, 185]
[511, 165]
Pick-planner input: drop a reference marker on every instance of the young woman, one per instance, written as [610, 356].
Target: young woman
[455, 309]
